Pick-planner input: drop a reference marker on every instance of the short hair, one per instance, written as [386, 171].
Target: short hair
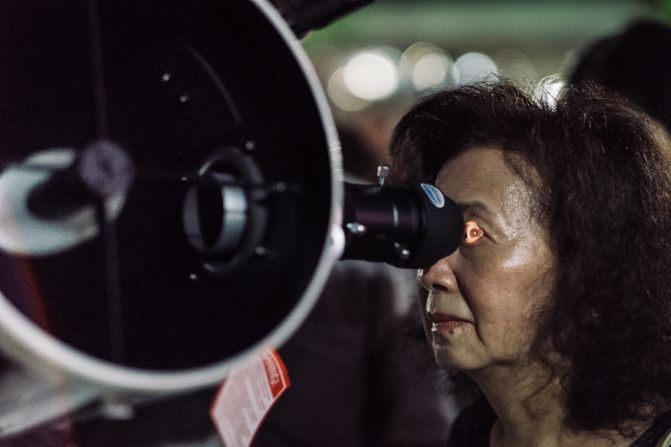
[602, 187]
[635, 63]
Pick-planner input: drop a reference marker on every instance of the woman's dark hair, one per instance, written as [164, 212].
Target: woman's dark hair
[600, 175]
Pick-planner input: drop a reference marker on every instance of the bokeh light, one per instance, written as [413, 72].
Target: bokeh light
[340, 95]
[549, 89]
[473, 67]
[371, 75]
[425, 65]
[430, 70]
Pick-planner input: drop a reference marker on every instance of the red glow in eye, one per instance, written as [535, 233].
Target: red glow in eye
[473, 233]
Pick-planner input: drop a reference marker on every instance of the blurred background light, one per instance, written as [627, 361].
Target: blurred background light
[549, 89]
[516, 65]
[473, 67]
[425, 65]
[341, 96]
[371, 75]
[522, 40]
[430, 70]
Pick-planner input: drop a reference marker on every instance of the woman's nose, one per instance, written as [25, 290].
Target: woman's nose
[438, 277]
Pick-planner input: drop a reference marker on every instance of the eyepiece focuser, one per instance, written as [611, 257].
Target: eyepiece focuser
[409, 226]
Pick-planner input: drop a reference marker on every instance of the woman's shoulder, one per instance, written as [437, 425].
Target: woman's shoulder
[473, 425]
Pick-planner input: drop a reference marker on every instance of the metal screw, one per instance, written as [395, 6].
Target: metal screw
[402, 252]
[166, 77]
[184, 98]
[356, 228]
[382, 174]
[250, 145]
[193, 277]
[117, 409]
[261, 251]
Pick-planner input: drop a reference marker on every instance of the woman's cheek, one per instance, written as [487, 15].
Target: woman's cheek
[475, 257]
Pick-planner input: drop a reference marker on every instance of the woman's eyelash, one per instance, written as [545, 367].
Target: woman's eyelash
[472, 232]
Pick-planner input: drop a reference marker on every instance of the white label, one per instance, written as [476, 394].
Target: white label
[434, 194]
[246, 396]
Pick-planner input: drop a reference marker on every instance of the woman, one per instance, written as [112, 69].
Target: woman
[558, 302]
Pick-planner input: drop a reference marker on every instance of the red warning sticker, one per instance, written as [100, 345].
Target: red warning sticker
[246, 396]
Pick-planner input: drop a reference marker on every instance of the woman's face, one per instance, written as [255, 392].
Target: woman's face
[480, 309]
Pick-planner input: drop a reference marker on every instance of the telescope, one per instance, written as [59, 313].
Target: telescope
[171, 193]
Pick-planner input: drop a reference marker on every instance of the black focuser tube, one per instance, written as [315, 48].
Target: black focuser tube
[409, 226]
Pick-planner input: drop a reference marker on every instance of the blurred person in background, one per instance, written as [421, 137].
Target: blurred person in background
[557, 304]
[634, 63]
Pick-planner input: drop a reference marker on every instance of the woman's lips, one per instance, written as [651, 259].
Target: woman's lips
[442, 322]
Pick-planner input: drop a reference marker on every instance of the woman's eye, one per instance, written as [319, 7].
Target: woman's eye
[472, 233]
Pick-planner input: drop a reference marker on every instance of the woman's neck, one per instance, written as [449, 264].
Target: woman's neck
[531, 410]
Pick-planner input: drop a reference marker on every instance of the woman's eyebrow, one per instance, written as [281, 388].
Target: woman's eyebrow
[475, 206]
[483, 212]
